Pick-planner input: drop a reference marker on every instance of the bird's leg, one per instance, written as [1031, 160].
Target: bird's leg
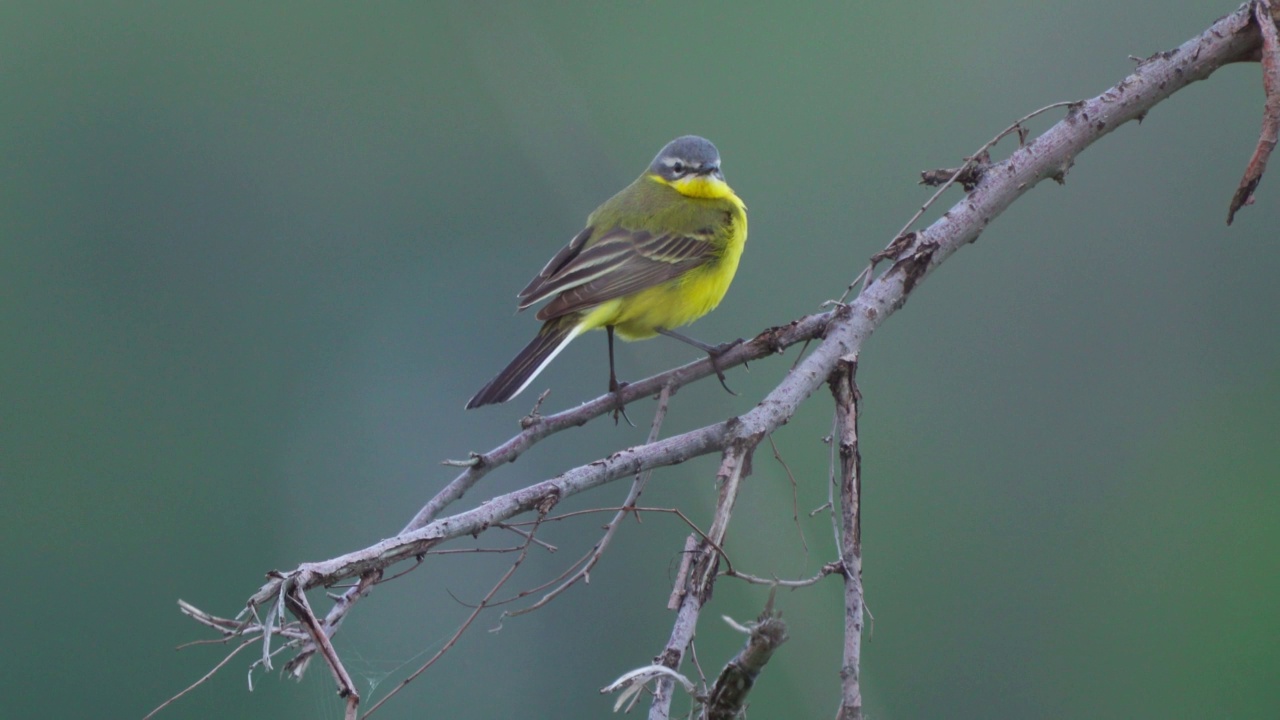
[713, 352]
[615, 387]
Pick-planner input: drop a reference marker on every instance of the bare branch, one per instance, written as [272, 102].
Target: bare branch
[701, 560]
[535, 427]
[728, 697]
[845, 391]
[1265, 15]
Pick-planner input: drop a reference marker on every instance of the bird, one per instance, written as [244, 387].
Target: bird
[654, 257]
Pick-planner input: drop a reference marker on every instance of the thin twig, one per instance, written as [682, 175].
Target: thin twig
[540, 543]
[246, 643]
[830, 568]
[833, 481]
[209, 641]
[693, 658]
[633, 510]
[795, 497]
[417, 563]
[471, 551]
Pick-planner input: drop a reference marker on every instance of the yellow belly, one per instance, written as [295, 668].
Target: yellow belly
[670, 305]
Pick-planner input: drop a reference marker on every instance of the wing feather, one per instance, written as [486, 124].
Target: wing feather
[620, 263]
[554, 265]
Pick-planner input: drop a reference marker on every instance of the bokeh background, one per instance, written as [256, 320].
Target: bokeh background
[254, 257]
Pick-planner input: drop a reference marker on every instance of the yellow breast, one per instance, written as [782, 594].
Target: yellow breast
[685, 299]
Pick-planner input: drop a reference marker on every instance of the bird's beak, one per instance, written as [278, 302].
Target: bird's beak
[712, 171]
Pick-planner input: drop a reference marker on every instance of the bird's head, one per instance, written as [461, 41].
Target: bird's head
[691, 165]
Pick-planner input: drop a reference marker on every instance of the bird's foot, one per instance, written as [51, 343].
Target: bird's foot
[714, 352]
[619, 409]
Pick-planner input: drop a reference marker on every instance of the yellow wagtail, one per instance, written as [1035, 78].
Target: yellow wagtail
[658, 255]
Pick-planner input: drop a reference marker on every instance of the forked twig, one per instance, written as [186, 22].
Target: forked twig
[699, 567]
[297, 602]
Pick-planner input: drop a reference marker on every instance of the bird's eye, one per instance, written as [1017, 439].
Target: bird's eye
[677, 167]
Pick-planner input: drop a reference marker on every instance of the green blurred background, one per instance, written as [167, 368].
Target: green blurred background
[255, 257]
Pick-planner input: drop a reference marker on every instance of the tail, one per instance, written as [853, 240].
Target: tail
[530, 361]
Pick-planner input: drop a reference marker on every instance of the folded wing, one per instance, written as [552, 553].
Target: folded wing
[619, 263]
